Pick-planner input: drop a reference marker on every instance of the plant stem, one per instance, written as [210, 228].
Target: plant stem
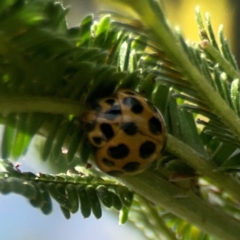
[152, 17]
[158, 225]
[216, 55]
[40, 104]
[184, 205]
[203, 166]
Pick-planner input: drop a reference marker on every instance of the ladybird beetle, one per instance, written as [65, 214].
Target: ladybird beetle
[126, 131]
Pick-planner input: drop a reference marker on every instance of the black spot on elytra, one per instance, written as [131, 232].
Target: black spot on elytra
[133, 104]
[112, 113]
[118, 152]
[155, 125]
[107, 130]
[130, 128]
[97, 140]
[114, 173]
[110, 101]
[131, 167]
[147, 149]
[90, 126]
[108, 163]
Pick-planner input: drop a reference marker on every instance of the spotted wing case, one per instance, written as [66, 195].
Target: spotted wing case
[127, 133]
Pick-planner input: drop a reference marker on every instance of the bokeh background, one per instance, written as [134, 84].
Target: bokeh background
[20, 221]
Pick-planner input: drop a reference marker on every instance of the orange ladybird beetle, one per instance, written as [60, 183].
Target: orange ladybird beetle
[127, 133]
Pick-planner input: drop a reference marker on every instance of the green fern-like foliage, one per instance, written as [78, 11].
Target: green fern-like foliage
[50, 73]
[72, 191]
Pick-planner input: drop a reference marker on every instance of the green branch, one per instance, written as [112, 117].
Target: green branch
[158, 225]
[40, 104]
[203, 166]
[184, 205]
[216, 55]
